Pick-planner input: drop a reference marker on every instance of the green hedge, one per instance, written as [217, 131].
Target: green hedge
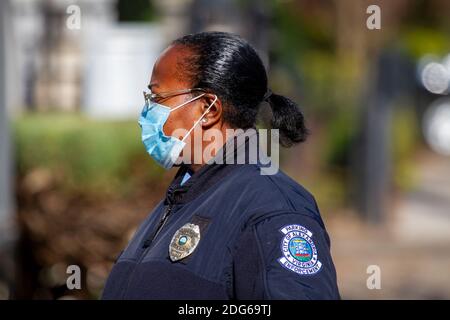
[82, 154]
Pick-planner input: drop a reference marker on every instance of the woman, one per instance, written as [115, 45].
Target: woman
[224, 230]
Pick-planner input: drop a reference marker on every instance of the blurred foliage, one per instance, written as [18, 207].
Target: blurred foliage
[405, 136]
[322, 73]
[330, 189]
[339, 139]
[422, 41]
[331, 88]
[86, 156]
[136, 10]
[298, 30]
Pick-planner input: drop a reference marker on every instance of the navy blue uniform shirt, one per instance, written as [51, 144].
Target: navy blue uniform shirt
[260, 237]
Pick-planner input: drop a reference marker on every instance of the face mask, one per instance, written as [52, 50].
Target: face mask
[165, 150]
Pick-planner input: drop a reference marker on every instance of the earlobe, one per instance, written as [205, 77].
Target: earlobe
[212, 110]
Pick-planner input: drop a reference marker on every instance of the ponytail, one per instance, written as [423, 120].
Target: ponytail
[287, 117]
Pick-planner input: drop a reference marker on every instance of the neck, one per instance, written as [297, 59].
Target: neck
[215, 145]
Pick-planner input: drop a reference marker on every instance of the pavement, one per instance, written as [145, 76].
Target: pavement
[412, 249]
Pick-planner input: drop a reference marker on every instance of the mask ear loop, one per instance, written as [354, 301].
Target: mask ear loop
[200, 119]
[189, 101]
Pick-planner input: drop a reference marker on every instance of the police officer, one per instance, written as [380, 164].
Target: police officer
[224, 230]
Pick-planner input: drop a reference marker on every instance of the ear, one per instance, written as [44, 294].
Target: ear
[214, 113]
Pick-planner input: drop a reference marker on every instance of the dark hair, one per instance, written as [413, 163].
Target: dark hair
[228, 65]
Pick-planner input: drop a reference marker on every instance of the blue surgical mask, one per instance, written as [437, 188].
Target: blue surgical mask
[165, 150]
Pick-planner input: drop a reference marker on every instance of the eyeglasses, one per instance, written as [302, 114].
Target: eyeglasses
[158, 97]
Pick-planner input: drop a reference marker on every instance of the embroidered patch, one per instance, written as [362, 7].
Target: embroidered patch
[299, 251]
[184, 241]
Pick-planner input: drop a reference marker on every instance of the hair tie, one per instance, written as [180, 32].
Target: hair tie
[267, 95]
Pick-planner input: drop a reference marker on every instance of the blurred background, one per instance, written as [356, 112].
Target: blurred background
[75, 180]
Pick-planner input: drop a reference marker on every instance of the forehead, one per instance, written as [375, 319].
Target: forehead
[168, 72]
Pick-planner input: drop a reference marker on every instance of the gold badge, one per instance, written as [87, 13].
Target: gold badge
[184, 241]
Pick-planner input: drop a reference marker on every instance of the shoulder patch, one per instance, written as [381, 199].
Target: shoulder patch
[299, 251]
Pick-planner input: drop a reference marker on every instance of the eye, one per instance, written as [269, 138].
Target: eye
[154, 97]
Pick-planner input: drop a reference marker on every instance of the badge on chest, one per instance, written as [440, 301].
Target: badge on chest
[184, 241]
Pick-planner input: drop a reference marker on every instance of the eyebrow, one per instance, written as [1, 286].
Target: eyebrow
[152, 85]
